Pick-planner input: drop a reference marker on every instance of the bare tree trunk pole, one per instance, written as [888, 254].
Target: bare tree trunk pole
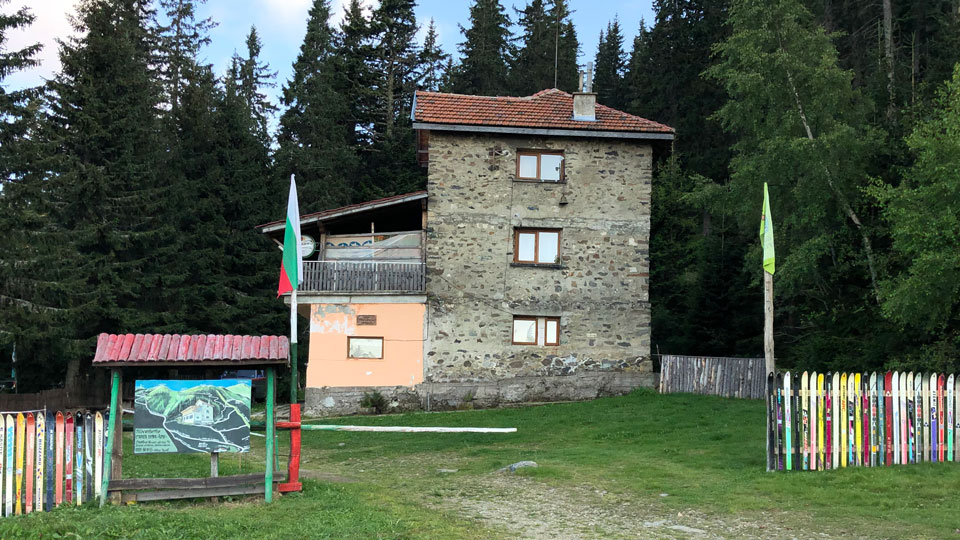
[768, 321]
[888, 54]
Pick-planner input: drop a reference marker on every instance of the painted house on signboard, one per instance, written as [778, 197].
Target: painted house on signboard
[521, 273]
[198, 414]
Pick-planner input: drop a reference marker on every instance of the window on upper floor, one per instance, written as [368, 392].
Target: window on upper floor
[540, 165]
[530, 330]
[536, 246]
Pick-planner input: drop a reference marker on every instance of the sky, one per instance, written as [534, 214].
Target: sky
[282, 24]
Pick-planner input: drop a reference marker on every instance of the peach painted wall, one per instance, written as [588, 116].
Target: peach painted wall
[400, 326]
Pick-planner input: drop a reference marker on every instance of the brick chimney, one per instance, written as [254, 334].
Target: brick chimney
[585, 101]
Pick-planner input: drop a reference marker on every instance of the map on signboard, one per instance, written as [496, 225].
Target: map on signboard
[191, 416]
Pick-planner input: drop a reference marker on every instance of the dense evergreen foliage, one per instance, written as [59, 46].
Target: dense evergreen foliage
[132, 181]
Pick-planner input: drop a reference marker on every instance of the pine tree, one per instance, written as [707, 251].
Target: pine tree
[254, 76]
[354, 52]
[532, 68]
[485, 51]
[109, 193]
[432, 60]
[179, 42]
[610, 67]
[395, 63]
[315, 136]
[636, 75]
[36, 260]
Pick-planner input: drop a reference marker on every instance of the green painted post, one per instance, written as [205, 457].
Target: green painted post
[268, 474]
[115, 418]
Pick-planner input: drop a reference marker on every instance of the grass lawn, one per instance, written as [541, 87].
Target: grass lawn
[705, 454]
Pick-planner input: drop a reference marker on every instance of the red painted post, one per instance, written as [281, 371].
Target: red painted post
[293, 466]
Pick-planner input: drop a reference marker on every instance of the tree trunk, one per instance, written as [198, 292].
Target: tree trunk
[888, 53]
[841, 198]
[72, 379]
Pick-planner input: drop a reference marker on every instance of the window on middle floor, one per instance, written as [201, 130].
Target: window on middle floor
[536, 246]
[542, 165]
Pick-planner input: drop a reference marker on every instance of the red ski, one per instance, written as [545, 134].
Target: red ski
[888, 418]
[58, 456]
[68, 459]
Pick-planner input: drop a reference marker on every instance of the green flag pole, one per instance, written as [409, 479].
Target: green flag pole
[769, 266]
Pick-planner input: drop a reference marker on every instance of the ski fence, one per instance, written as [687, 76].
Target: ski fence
[818, 421]
[50, 458]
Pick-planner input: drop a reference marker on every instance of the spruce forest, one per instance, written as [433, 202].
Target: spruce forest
[133, 179]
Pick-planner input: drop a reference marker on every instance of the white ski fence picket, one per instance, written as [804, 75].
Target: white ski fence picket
[29, 465]
[836, 420]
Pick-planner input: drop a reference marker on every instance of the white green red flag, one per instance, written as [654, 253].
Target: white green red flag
[766, 233]
[291, 271]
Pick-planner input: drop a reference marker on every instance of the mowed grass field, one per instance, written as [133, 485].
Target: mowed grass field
[672, 453]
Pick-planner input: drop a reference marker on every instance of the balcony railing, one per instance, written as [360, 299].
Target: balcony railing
[355, 276]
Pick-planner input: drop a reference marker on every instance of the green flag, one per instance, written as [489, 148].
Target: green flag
[766, 233]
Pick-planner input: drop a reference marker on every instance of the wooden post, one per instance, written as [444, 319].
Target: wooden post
[768, 321]
[214, 470]
[268, 474]
[112, 434]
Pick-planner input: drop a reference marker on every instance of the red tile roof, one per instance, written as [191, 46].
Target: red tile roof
[174, 349]
[352, 208]
[548, 109]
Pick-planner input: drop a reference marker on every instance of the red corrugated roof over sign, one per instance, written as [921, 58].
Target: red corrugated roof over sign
[547, 109]
[176, 349]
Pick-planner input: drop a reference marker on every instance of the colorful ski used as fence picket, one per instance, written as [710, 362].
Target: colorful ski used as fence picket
[78, 461]
[805, 422]
[51, 445]
[814, 415]
[874, 447]
[827, 423]
[904, 434]
[88, 463]
[896, 418]
[835, 421]
[934, 417]
[4, 442]
[911, 421]
[787, 428]
[98, 458]
[949, 417]
[58, 456]
[28, 470]
[40, 461]
[68, 458]
[8, 471]
[18, 508]
[865, 419]
[917, 418]
[820, 423]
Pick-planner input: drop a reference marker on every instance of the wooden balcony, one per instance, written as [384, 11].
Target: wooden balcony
[364, 276]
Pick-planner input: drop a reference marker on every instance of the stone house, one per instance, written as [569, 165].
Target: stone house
[520, 274]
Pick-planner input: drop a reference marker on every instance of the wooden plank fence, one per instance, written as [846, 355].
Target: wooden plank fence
[89, 396]
[715, 376]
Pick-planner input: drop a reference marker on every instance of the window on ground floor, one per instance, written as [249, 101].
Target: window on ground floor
[365, 347]
[530, 330]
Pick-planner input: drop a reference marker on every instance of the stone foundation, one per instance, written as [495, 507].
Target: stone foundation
[438, 396]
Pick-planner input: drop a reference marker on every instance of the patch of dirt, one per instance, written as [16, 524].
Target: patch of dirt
[534, 510]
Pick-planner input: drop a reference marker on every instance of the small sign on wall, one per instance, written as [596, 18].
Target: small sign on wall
[366, 320]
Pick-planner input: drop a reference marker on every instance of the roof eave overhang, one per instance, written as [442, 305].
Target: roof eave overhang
[643, 135]
[192, 363]
[304, 220]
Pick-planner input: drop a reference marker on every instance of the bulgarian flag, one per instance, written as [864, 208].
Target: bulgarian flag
[291, 271]
[766, 233]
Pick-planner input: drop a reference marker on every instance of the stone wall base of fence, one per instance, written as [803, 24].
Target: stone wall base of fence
[441, 396]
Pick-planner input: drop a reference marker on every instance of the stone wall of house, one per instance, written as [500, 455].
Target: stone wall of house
[599, 290]
[441, 396]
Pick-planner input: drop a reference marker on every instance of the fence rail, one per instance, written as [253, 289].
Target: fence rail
[716, 376]
[354, 276]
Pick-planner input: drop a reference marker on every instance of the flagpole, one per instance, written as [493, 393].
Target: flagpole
[293, 346]
[768, 321]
